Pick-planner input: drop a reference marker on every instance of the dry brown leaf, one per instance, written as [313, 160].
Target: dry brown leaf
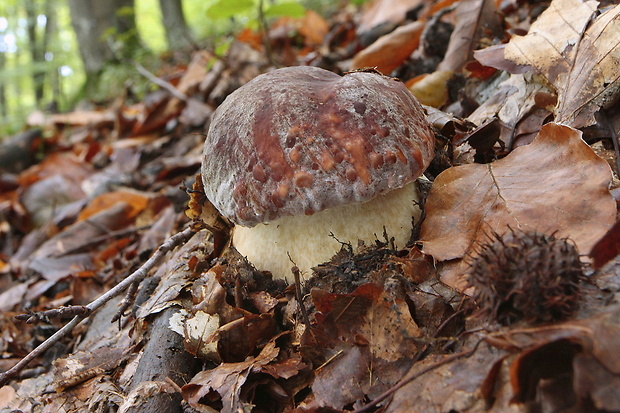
[313, 28]
[594, 79]
[579, 61]
[94, 118]
[584, 350]
[369, 338]
[551, 37]
[555, 184]
[391, 50]
[383, 11]
[512, 101]
[475, 19]
[227, 380]
[452, 387]
[431, 89]
[135, 201]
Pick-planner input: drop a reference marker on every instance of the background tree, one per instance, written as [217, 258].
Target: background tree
[173, 19]
[41, 28]
[106, 31]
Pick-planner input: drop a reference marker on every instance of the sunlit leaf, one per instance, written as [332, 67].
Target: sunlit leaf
[224, 9]
[288, 9]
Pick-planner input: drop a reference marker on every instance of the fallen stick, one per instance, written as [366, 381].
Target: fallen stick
[136, 276]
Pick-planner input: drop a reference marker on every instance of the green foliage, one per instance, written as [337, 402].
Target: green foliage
[224, 9]
[248, 9]
[287, 9]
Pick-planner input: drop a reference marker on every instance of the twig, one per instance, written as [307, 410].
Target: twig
[137, 275]
[160, 82]
[408, 379]
[300, 302]
[62, 312]
[130, 296]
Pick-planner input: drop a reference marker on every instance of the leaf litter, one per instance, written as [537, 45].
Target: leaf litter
[375, 328]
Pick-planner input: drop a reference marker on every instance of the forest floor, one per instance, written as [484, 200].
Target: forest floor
[113, 300]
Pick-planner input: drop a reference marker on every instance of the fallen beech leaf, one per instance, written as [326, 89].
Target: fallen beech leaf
[77, 235]
[58, 163]
[452, 387]
[556, 184]
[580, 63]
[431, 89]
[227, 380]
[360, 337]
[383, 11]
[95, 119]
[200, 340]
[45, 199]
[576, 360]
[175, 275]
[513, 101]
[475, 20]
[135, 201]
[390, 50]
[551, 37]
[594, 79]
[313, 28]
[607, 248]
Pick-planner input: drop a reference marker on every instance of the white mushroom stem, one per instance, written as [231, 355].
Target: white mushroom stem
[307, 238]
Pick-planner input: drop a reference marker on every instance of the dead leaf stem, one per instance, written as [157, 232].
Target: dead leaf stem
[137, 275]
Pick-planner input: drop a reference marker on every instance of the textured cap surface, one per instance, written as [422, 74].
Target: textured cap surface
[301, 139]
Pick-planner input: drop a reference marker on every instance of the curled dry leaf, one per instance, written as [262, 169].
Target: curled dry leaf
[391, 50]
[580, 63]
[431, 89]
[475, 19]
[577, 359]
[557, 184]
[607, 248]
[384, 11]
[227, 380]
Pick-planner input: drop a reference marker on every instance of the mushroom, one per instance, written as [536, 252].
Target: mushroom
[301, 160]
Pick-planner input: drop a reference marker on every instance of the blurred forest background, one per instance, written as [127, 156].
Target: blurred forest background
[55, 54]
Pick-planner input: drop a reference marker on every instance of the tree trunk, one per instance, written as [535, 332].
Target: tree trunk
[51, 33]
[177, 33]
[106, 30]
[4, 112]
[36, 48]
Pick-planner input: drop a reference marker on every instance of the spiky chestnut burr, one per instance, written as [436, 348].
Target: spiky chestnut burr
[525, 275]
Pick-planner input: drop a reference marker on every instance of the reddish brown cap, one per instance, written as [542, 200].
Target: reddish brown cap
[300, 140]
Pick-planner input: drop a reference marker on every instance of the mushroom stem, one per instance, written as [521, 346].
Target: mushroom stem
[307, 238]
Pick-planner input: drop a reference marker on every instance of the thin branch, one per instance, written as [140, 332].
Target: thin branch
[408, 379]
[136, 276]
[160, 82]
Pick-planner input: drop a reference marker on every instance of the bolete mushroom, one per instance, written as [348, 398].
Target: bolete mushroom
[302, 159]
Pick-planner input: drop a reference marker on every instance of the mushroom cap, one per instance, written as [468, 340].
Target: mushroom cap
[299, 140]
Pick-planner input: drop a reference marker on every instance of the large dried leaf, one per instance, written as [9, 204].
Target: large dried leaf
[555, 184]
[579, 61]
[552, 37]
[594, 79]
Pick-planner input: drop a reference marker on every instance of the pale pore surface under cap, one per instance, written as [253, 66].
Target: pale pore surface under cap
[306, 238]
